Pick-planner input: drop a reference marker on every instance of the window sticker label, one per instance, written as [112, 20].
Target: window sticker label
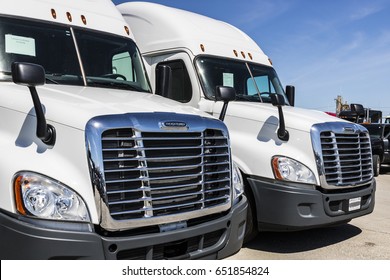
[228, 79]
[19, 45]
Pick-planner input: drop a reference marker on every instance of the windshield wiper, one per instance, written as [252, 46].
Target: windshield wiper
[115, 85]
[252, 98]
[6, 73]
[51, 81]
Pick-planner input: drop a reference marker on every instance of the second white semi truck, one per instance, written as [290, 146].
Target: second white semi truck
[302, 168]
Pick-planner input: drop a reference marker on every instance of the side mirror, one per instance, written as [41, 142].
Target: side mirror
[225, 94]
[32, 75]
[290, 92]
[278, 101]
[28, 74]
[358, 108]
[163, 80]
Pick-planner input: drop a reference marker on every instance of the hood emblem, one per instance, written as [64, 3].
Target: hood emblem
[349, 129]
[173, 125]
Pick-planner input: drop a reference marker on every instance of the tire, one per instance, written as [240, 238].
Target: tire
[251, 230]
[376, 162]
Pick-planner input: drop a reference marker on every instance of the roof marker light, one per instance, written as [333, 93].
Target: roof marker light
[250, 56]
[202, 47]
[53, 13]
[270, 61]
[235, 53]
[69, 16]
[243, 54]
[127, 30]
[83, 19]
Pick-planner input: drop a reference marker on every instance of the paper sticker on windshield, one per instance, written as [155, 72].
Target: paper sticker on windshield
[228, 79]
[19, 45]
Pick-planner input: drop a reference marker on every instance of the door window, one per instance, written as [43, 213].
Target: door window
[181, 89]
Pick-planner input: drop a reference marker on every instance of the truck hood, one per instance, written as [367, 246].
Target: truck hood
[295, 118]
[74, 106]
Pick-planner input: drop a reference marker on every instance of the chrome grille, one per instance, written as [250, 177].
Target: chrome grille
[346, 157]
[152, 174]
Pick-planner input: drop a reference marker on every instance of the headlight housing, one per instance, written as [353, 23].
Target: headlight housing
[42, 197]
[288, 169]
[238, 184]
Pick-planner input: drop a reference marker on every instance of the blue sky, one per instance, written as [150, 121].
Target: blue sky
[323, 48]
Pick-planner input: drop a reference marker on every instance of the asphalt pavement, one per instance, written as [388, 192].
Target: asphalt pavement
[364, 238]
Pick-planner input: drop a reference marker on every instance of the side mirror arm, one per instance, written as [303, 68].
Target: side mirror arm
[32, 75]
[278, 101]
[45, 132]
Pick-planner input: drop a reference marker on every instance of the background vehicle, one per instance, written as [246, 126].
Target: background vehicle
[358, 114]
[380, 136]
[93, 165]
[302, 168]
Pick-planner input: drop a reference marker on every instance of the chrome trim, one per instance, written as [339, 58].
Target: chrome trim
[141, 123]
[340, 131]
[173, 125]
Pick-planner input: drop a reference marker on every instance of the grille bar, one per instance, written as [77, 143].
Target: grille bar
[166, 197]
[192, 204]
[149, 189]
[180, 167]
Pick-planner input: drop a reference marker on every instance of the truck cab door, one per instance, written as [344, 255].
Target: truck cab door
[386, 143]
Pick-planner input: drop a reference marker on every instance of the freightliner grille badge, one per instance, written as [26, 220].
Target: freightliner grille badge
[349, 129]
[173, 125]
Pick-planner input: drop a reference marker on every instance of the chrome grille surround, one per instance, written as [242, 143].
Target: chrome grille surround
[343, 154]
[150, 169]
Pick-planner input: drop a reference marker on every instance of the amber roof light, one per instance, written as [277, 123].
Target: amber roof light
[53, 13]
[69, 16]
[83, 19]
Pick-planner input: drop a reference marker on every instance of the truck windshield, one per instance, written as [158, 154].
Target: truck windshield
[252, 82]
[104, 60]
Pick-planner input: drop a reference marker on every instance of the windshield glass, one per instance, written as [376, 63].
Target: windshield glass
[252, 82]
[106, 60]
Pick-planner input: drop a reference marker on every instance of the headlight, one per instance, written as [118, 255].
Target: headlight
[291, 170]
[238, 184]
[42, 197]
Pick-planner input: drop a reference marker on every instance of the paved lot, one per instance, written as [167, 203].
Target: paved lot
[364, 238]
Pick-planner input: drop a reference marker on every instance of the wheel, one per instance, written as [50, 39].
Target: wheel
[251, 220]
[376, 162]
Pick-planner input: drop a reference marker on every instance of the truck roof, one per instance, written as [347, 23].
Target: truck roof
[158, 27]
[93, 14]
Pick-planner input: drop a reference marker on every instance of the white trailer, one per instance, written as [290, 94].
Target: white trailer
[94, 166]
[302, 168]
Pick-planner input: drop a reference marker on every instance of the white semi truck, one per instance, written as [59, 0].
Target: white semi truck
[302, 168]
[93, 165]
